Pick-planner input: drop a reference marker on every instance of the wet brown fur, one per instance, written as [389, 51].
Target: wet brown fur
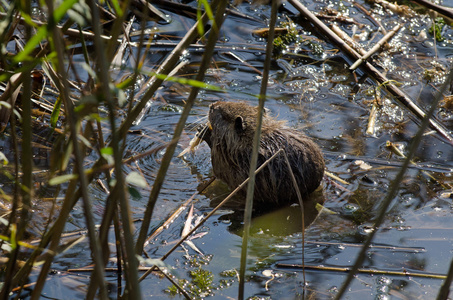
[233, 127]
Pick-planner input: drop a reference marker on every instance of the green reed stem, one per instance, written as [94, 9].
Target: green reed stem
[16, 205]
[52, 237]
[256, 146]
[209, 50]
[87, 204]
[111, 208]
[72, 121]
[301, 203]
[27, 163]
[27, 155]
[117, 28]
[133, 288]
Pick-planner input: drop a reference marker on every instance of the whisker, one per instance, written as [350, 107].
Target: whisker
[193, 125]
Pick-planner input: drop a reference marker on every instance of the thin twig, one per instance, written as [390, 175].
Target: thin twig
[446, 11]
[301, 204]
[175, 214]
[372, 18]
[366, 271]
[376, 47]
[335, 177]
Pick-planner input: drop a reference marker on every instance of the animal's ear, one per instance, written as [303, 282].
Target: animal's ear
[239, 124]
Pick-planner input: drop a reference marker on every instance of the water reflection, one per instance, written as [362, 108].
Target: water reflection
[278, 221]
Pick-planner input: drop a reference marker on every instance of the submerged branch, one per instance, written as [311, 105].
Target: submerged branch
[446, 11]
[370, 69]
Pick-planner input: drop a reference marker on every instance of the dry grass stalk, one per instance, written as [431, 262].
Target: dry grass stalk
[376, 47]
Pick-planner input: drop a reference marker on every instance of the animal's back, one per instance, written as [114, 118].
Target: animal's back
[231, 149]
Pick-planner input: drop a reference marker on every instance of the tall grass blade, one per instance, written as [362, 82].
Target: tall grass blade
[165, 69]
[212, 39]
[72, 122]
[27, 163]
[256, 146]
[102, 53]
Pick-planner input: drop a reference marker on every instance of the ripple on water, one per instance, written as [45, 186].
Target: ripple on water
[178, 177]
[181, 180]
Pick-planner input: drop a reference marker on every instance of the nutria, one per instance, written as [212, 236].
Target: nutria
[229, 134]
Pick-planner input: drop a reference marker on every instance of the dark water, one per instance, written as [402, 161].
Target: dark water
[318, 95]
